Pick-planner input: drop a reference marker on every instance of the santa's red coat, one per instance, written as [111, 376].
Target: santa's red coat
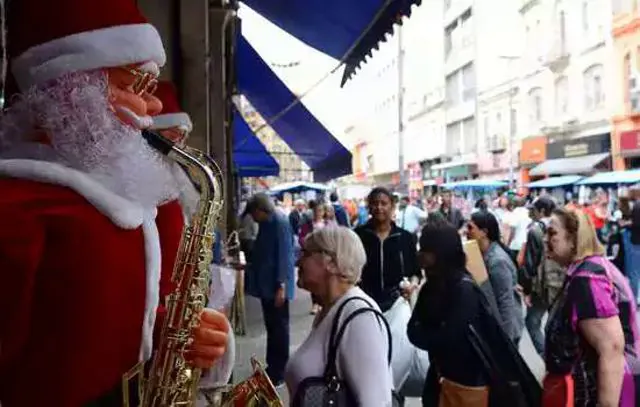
[75, 265]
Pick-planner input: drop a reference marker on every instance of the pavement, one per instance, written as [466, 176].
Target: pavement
[254, 342]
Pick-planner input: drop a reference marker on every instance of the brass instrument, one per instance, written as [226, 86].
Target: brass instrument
[255, 391]
[172, 380]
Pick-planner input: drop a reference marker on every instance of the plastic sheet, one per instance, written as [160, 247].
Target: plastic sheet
[401, 358]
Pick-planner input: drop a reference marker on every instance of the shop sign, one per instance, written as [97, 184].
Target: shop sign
[534, 150]
[580, 147]
[630, 141]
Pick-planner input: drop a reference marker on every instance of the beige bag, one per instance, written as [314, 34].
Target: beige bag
[453, 394]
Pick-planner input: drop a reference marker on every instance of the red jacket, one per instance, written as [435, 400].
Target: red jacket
[74, 283]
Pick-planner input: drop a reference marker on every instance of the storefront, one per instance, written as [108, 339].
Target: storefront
[414, 178]
[458, 170]
[581, 156]
[630, 148]
[532, 153]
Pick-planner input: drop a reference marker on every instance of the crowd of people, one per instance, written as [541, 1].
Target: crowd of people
[541, 258]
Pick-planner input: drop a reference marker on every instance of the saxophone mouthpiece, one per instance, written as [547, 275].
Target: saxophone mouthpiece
[157, 141]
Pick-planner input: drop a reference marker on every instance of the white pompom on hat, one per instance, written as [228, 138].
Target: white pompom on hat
[47, 39]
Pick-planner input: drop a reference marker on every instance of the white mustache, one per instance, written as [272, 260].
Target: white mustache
[142, 122]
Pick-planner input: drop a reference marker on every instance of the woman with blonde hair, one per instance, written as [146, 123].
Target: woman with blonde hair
[592, 324]
[329, 267]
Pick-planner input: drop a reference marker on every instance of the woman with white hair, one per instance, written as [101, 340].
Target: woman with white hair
[329, 267]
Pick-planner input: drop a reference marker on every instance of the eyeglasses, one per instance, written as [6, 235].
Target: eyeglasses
[145, 82]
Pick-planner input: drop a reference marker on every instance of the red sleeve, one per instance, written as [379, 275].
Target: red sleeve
[21, 247]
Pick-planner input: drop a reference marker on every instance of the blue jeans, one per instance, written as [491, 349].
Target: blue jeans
[533, 322]
[276, 321]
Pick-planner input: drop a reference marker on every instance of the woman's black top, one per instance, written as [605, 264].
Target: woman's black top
[388, 262]
[439, 324]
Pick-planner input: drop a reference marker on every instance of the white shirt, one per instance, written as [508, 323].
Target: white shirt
[362, 354]
[519, 220]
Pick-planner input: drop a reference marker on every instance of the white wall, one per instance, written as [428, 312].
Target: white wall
[588, 43]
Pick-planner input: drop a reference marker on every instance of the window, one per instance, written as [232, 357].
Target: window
[453, 89]
[562, 96]
[593, 90]
[562, 31]
[486, 129]
[626, 77]
[535, 103]
[469, 135]
[468, 82]
[453, 139]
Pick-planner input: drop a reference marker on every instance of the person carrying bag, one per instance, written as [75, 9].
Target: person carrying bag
[330, 390]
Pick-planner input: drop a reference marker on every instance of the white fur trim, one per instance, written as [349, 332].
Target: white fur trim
[103, 48]
[150, 67]
[122, 212]
[139, 122]
[171, 120]
[153, 258]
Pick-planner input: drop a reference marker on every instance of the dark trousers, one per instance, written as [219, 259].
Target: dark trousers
[533, 322]
[276, 321]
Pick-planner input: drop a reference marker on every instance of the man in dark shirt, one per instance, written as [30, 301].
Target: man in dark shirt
[453, 215]
[341, 214]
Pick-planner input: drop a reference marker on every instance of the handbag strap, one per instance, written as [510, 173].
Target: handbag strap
[336, 337]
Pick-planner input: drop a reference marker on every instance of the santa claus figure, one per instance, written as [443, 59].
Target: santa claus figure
[90, 220]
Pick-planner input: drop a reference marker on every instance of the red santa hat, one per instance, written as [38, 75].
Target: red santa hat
[47, 39]
[172, 115]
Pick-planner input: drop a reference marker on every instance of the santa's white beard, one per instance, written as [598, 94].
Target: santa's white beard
[85, 134]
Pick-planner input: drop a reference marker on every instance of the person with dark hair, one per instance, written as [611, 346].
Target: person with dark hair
[541, 278]
[341, 214]
[391, 253]
[443, 311]
[481, 205]
[484, 229]
[453, 215]
[631, 250]
[409, 217]
[270, 277]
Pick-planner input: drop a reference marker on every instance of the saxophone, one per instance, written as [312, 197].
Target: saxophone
[171, 380]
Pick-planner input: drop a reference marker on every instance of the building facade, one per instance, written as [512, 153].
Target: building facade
[399, 90]
[625, 136]
[478, 46]
[566, 80]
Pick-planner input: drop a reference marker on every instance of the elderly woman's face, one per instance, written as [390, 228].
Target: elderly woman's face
[313, 270]
[559, 245]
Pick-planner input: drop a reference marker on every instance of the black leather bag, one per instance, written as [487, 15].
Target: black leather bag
[511, 382]
[330, 390]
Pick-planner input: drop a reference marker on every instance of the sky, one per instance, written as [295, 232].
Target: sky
[279, 48]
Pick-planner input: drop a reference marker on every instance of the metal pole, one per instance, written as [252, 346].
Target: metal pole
[403, 180]
[510, 139]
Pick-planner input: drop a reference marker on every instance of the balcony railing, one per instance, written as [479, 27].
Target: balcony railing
[496, 144]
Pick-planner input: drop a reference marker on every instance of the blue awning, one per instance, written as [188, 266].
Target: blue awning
[612, 178]
[555, 182]
[347, 30]
[475, 184]
[302, 132]
[250, 157]
[297, 187]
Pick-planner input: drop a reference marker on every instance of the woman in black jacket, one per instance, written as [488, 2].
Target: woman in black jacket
[446, 305]
[450, 303]
[391, 253]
